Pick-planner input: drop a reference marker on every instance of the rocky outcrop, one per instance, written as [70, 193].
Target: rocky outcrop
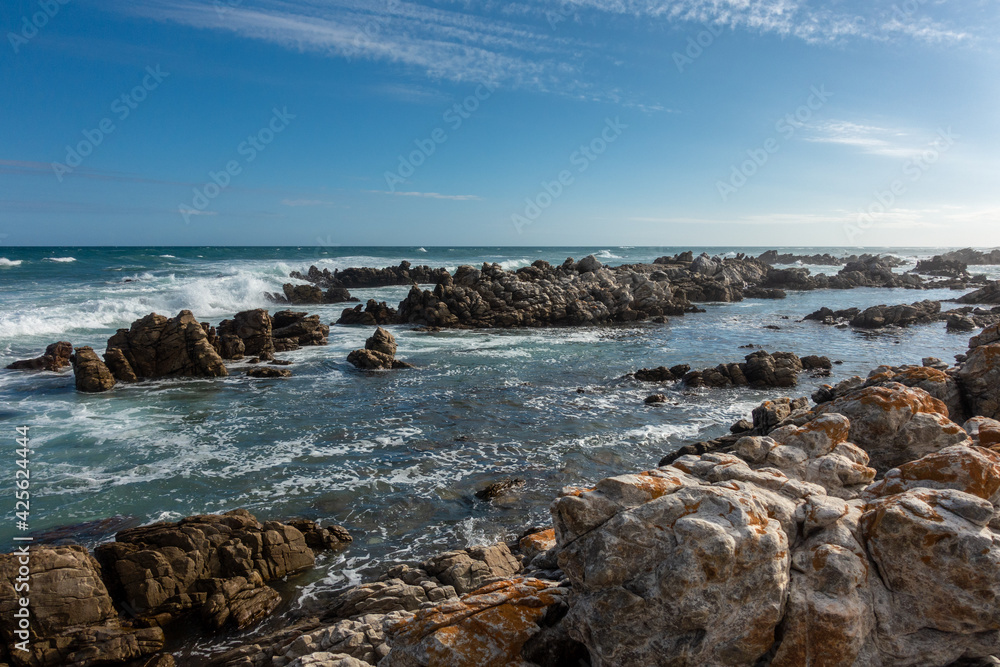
[877, 317]
[157, 347]
[72, 617]
[264, 372]
[895, 423]
[989, 294]
[298, 295]
[971, 256]
[979, 374]
[939, 266]
[830, 316]
[294, 329]
[248, 333]
[92, 375]
[376, 313]
[379, 353]
[56, 358]
[214, 567]
[358, 277]
[760, 370]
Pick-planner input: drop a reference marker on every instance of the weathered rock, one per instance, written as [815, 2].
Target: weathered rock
[92, 375]
[771, 414]
[666, 570]
[357, 277]
[378, 354]
[212, 565]
[56, 357]
[119, 366]
[322, 538]
[828, 316]
[656, 399]
[760, 370]
[375, 313]
[253, 328]
[298, 329]
[895, 424]
[490, 626]
[984, 432]
[72, 618]
[877, 317]
[157, 347]
[988, 294]
[979, 374]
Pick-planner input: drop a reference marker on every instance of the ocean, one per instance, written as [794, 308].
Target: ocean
[394, 457]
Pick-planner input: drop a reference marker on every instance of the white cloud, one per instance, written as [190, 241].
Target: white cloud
[430, 195]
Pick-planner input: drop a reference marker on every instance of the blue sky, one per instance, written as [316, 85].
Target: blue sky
[694, 122]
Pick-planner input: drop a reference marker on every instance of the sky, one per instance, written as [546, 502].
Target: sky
[621, 122]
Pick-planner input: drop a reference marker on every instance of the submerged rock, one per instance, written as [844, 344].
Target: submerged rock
[497, 489]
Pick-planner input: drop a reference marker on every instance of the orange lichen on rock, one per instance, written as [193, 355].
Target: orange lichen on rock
[967, 469]
[889, 398]
[536, 543]
[487, 627]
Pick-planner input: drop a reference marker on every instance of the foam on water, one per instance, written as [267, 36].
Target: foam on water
[61, 259]
[4, 262]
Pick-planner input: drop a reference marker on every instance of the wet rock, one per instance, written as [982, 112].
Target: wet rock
[157, 347]
[828, 316]
[877, 317]
[92, 375]
[655, 399]
[294, 329]
[310, 294]
[358, 277]
[72, 616]
[588, 264]
[956, 322]
[988, 294]
[56, 357]
[213, 566]
[322, 538]
[764, 293]
[497, 489]
[378, 353]
[939, 266]
[662, 373]
[269, 372]
[771, 414]
[251, 327]
[979, 374]
[375, 313]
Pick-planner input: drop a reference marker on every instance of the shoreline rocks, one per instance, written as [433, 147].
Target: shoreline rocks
[759, 370]
[55, 358]
[361, 277]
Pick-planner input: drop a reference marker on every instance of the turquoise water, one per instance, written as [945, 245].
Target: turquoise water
[396, 458]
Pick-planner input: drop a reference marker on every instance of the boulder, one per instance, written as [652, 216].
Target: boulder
[251, 327]
[92, 375]
[375, 313]
[119, 366]
[72, 616]
[269, 372]
[298, 328]
[214, 567]
[895, 424]
[979, 374]
[490, 626]
[588, 264]
[877, 317]
[378, 354]
[157, 347]
[497, 489]
[56, 357]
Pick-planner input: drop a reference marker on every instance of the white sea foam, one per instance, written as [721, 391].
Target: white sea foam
[10, 262]
[168, 256]
[421, 249]
[606, 254]
[512, 264]
[61, 259]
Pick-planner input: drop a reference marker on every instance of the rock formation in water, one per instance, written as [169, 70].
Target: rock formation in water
[359, 277]
[759, 370]
[379, 353]
[158, 347]
[55, 358]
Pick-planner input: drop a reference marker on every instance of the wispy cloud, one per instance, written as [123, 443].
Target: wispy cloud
[514, 44]
[870, 139]
[430, 195]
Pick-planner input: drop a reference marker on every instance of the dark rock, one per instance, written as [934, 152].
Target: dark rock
[877, 317]
[92, 375]
[253, 328]
[742, 426]
[157, 347]
[215, 566]
[56, 357]
[302, 329]
[119, 366]
[375, 313]
[72, 617]
[378, 353]
[497, 489]
[269, 372]
[656, 398]
[989, 294]
[322, 538]
[358, 277]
